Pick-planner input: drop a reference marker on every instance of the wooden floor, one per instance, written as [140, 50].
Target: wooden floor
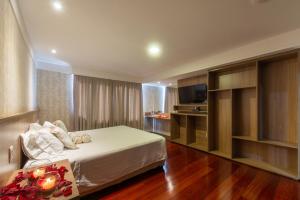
[192, 174]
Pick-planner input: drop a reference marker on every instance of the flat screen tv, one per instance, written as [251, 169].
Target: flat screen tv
[192, 94]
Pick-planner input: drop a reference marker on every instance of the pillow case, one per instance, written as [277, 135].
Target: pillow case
[79, 138]
[35, 126]
[61, 125]
[41, 144]
[61, 135]
[48, 125]
[64, 138]
[24, 142]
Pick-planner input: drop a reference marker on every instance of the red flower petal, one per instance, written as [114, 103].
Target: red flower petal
[8, 197]
[57, 193]
[67, 191]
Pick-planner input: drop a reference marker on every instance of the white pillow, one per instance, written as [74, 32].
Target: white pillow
[35, 126]
[79, 138]
[24, 142]
[41, 144]
[63, 137]
[61, 125]
[48, 125]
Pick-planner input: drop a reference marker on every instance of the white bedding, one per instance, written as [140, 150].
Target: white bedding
[113, 153]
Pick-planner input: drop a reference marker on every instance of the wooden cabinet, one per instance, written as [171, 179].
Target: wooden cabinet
[190, 129]
[253, 114]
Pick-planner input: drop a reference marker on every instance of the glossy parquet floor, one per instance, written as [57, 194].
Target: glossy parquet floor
[192, 174]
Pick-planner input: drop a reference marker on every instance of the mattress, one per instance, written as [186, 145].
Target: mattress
[113, 153]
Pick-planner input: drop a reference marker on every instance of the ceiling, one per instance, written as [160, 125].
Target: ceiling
[112, 35]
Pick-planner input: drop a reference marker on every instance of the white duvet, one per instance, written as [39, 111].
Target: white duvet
[113, 153]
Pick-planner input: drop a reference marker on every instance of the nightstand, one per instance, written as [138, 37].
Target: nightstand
[68, 176]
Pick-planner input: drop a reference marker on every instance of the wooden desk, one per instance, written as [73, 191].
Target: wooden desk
[157, 124]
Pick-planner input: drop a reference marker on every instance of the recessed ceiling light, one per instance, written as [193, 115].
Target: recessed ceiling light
[57, 5]
[170, 84]
[158, 82]
[154, 50]
[53, 51]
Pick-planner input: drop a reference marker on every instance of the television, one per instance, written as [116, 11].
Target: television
[192, 94]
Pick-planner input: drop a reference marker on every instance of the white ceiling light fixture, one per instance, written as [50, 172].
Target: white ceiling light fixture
[53, 51]
[170, 84]
[158, 82]
[154, 50]
[57, 5]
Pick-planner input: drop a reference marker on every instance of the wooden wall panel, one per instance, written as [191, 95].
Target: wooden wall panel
[10, 130]
[175, 123]
[236, 77]
[280, 100]
[222, 122]
[201, 79]
[245, 113]
[201, 131]
[17, 70]
[183, 129]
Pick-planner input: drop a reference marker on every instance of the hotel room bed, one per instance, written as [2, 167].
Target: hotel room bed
[115, 154]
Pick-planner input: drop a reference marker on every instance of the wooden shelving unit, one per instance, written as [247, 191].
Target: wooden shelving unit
[190, 129]
[220, 131]
[179, 128]
[253, 113]
[195, 131]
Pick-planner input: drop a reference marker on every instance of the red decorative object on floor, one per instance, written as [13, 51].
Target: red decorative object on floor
[38, 184]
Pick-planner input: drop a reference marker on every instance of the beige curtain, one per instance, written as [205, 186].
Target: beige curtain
[171, 99]
[102, 103]
[127, 104]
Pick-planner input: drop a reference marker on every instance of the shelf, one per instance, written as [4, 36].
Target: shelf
[237, 88]
[198, 146]
[247, 138]
[192, 105]
[168, 137]
[178, 140]
[191, 114]
[219, 153]
[165, 133]
[281, 144]
[270, 142]
[268, 167]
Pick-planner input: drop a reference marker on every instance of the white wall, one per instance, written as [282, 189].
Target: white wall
[17, 87]
[153, 98]
[17, 70]
[279, 42]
